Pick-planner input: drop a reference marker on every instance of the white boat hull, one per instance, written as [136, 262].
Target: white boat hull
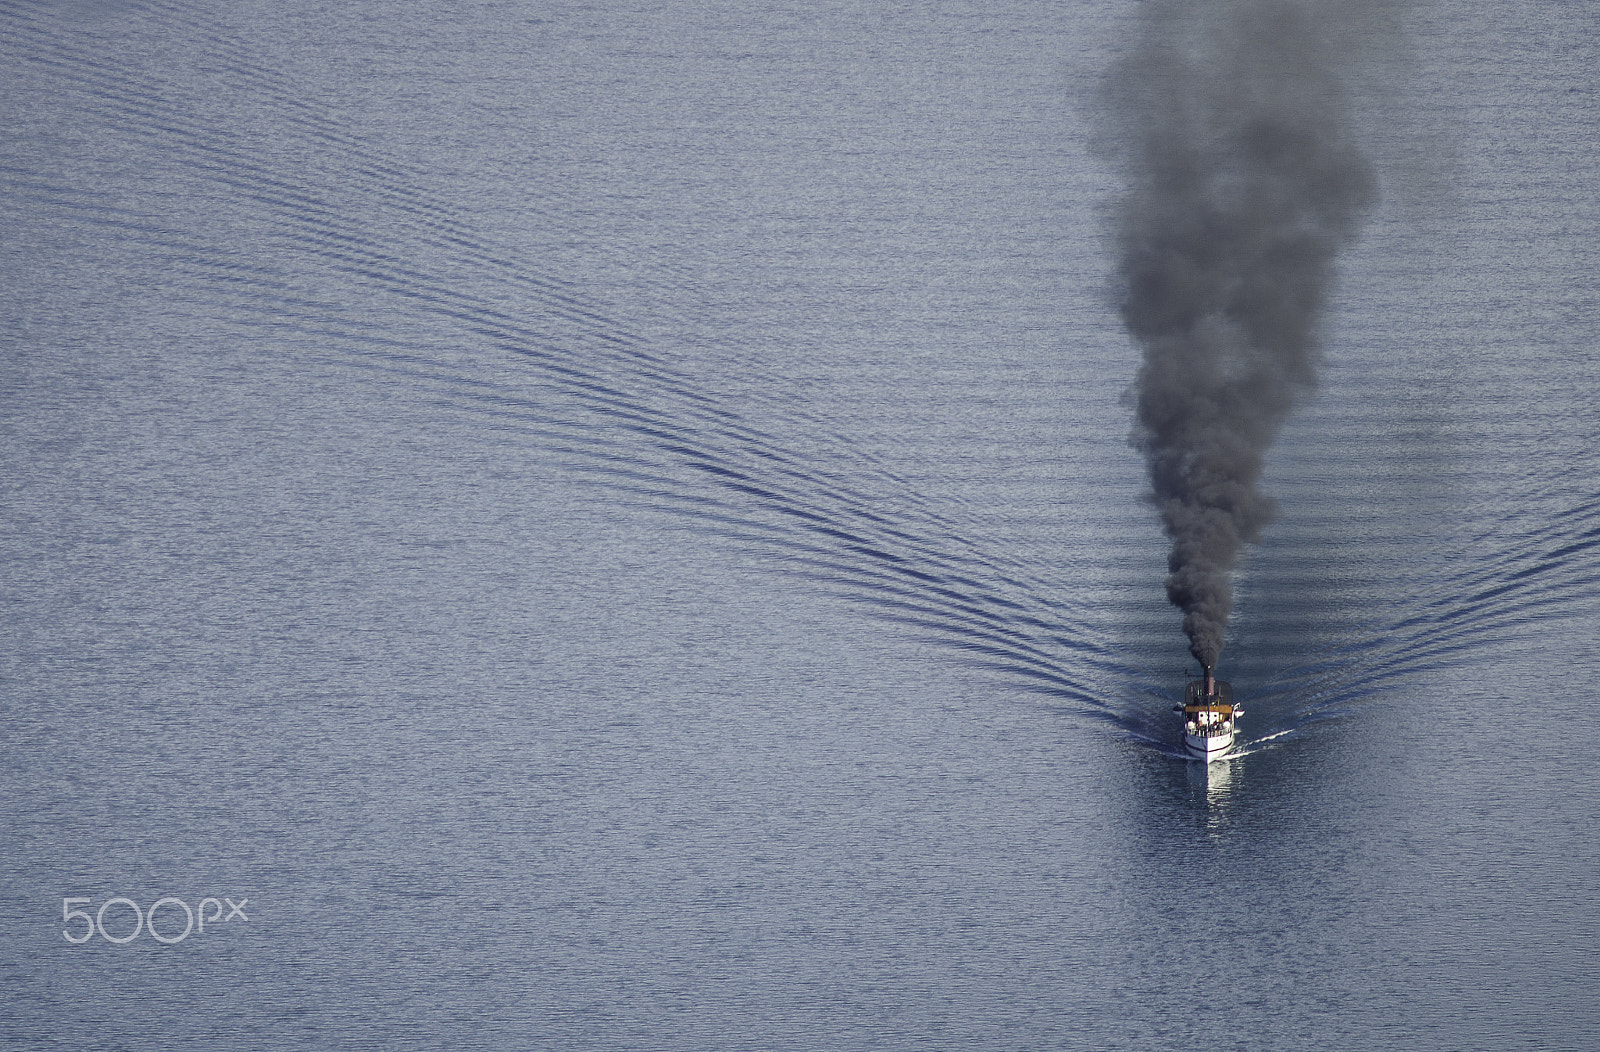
[1208, 747]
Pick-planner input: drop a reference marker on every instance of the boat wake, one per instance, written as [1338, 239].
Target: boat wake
[340, 253]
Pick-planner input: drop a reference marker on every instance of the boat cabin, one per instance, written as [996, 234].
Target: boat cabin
[1208, 707]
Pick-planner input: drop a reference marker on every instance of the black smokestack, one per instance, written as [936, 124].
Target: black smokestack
[1244, 183]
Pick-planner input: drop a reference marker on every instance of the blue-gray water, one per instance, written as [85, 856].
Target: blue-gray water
[611, 526]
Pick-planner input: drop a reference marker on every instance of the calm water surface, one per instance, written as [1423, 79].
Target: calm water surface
[611, 526]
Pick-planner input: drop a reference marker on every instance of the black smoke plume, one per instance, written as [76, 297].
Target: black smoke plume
[1232, 123]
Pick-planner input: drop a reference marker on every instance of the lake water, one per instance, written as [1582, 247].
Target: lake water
[600, 526]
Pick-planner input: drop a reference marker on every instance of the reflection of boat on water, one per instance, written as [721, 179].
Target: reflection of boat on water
[1209, 717]
[1213, 781]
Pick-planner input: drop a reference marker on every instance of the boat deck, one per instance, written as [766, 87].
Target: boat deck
[1208, 716]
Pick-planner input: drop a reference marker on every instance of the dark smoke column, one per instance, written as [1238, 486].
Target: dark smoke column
[1244, 184]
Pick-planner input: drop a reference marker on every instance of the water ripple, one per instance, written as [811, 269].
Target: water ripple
[443, 310]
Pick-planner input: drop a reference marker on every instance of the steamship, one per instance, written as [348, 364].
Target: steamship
[1209, 717]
